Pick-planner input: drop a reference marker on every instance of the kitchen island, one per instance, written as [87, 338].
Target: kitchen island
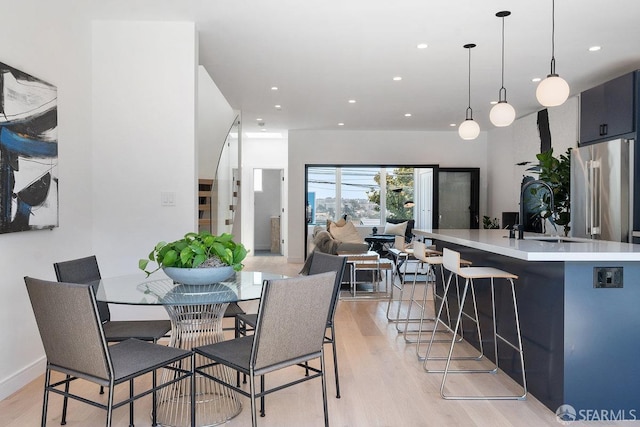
[578, 303]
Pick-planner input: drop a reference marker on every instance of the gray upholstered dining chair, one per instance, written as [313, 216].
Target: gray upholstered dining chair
[290, 330]
[320, 263]
[75, 345]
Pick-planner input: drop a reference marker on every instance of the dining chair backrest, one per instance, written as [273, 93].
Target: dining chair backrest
[70, 329]
[451, 260]
[83, 270]
[292, 320]
[322, 263]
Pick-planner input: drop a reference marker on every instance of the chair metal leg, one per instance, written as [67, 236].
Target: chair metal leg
[335, 360]
[110, 404]
[65, 401]
[262, 413]
[45, 398]
[252, 392]
[324, 389]
[131, 403]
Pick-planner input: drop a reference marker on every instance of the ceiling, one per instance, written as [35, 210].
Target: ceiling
[321, 54]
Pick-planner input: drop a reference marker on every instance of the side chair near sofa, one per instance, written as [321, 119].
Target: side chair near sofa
[292, 320]
[75, 345]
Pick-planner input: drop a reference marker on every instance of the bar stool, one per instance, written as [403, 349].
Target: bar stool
[403, 254]
[430, 258]
[451, 262]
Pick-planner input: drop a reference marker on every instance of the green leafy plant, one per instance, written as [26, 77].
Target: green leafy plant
[196, 250]
[556, 171]
[489, 223]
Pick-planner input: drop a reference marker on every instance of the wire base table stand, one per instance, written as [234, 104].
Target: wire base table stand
[195, 325]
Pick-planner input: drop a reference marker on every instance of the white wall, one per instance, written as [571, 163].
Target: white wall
[372, 147]
[50, 44]
[266, 154]
[126, 130]
[518, 143]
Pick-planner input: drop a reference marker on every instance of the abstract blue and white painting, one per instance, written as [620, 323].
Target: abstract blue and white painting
[28, 152]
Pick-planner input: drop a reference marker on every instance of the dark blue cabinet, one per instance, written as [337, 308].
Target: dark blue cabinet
[608, 111]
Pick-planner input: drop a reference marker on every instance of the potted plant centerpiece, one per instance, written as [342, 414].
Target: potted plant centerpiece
[197, 258]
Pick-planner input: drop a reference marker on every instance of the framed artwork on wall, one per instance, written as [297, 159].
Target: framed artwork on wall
[28, 152]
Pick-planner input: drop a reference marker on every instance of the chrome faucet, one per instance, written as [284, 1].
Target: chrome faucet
[521, 213]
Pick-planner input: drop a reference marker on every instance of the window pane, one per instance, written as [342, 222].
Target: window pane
[358, 185]
[321, 196]
[400, 197]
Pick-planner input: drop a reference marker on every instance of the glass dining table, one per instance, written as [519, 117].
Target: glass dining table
[196, 313]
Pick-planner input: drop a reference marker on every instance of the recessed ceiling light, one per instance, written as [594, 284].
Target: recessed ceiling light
[340, 124]
[536, 79]
[258, 119]
[422, 46]
[594, 48]
[352, 101]
[453, 125]
[397, 78]
[263, 130]
[274, 87]
[493, 102]
[407, 114]
[277, 106]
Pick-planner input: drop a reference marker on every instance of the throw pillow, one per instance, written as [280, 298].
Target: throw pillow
[339, 223]
[347, 233]
[397, 229]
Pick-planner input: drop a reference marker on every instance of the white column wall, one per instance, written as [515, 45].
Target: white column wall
[372, 147]
[144, 99]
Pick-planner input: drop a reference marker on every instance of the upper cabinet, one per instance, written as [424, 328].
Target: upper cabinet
[608, 111]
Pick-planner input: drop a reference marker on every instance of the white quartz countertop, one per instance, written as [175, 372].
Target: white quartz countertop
[534, 247]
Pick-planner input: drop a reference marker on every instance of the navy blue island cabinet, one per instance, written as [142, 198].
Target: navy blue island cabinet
[581, 335]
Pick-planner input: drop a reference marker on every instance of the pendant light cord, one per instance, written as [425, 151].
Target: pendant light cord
[502, 88]
[469, 113]
[553, 38]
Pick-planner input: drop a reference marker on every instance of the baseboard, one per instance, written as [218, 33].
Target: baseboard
[15, 382]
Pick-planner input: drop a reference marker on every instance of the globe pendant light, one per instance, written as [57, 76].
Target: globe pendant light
[469, 129]
[502, 114]
[553, 90]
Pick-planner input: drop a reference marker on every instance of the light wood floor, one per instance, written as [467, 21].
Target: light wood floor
[382, 384]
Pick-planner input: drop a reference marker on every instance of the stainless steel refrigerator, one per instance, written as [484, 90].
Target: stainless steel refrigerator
[601, 190]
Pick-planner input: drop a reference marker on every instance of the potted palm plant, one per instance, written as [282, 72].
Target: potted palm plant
[197, 258]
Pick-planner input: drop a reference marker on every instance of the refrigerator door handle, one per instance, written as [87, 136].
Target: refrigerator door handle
[593, 197]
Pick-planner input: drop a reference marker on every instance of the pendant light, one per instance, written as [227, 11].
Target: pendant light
[469, 129]
[553, 90]
[502, 114]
